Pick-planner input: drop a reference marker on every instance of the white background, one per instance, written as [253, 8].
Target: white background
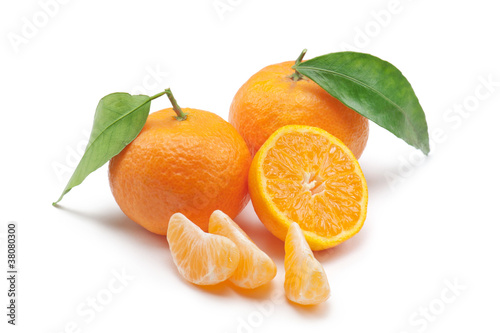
[431, 222]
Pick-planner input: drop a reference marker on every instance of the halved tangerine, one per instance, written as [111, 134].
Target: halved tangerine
[305, 175]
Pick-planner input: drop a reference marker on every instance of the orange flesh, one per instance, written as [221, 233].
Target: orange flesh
[313, 183]
[305, 279]
[201, 258]
[255, 268]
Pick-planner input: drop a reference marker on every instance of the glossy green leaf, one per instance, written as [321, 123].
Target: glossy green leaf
[375, 89]
[118, 119]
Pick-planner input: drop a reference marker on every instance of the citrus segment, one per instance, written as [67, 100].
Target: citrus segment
[305, 279]
[200, 257]
[255, 268]
[304, 174]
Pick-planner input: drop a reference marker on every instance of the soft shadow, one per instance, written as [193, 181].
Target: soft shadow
[259, 293]
[275, 247]
[380, 176]
[119, 222]
[375, 179]
[222, 289]
[265, 240]
[311, 311]
[348, 247]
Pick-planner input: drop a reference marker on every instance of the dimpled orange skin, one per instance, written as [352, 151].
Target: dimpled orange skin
[270, 99]
[191, 167]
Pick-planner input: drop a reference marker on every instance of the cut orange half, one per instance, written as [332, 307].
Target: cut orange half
[200, 257]
[255, 267]
[305, 279]
[305, 175]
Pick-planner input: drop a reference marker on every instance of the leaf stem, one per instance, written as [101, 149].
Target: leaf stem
[180, 114]
[157, 95]
[297, 76]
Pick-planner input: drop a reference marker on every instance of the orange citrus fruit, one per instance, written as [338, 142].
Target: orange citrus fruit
[305, 279]
[272, 98]
[304, 174]
[200, 257]
[192, 166]
[255, 267]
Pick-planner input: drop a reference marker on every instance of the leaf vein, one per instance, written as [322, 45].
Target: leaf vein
[366, 86]
[114, 122]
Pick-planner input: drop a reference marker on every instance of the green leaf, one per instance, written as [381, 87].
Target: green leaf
[118, 119]
[375, 89]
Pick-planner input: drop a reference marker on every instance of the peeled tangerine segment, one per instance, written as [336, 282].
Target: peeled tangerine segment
[200, 257]
[255, 267]
[305, 279]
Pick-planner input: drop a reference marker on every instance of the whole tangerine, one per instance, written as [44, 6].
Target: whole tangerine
[277, 96]
[192, 163]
